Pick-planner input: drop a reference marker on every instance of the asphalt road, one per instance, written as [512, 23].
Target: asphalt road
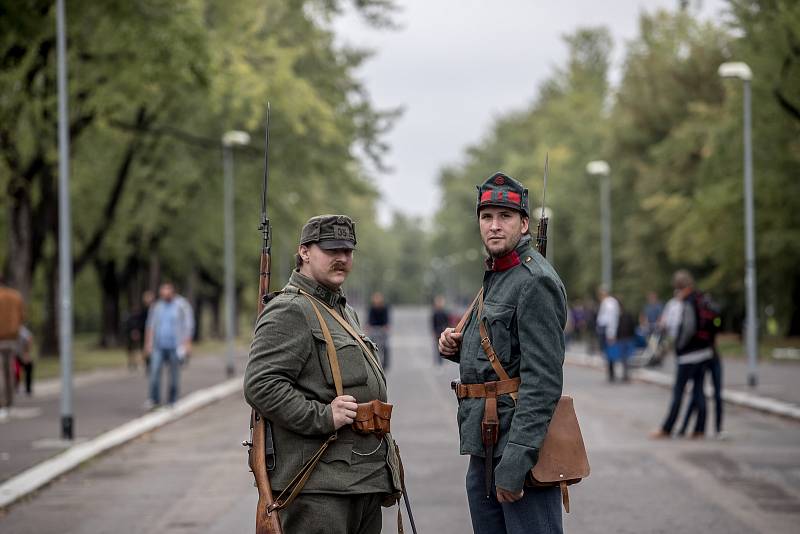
[191, 476]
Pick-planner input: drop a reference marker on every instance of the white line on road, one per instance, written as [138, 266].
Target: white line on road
[41, 474]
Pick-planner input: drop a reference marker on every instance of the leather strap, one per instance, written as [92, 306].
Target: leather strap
[330, 348]
[486, 345]
[464, 318]
[294, 487]
[477, 391]
[565, 496]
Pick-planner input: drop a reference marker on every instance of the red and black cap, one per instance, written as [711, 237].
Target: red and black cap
[503, 191]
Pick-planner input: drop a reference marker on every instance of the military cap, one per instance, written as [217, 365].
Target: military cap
[503, 191]
[329, 232]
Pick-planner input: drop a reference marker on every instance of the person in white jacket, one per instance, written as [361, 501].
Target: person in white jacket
[607, 325]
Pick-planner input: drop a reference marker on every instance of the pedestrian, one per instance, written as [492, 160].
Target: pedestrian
[521, 313]
[693, 350]
[378, 320]
[651, 312]
[625, 343]
[607, 323]
[25, 359]
[168, 336]
[440, 319]
[12, 315]
[293, 381]
[135, 325]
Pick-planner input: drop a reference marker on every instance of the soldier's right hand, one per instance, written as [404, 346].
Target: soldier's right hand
[449, 341]
[344, 410]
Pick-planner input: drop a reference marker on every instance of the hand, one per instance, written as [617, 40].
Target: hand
[148, 347]
[187, 346]
[449, 341]
[343, 409]
[508, 496]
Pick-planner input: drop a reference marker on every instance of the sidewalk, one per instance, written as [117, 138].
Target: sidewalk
[102, 401]
[777, 392]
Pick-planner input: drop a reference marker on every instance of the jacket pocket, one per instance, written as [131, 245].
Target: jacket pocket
[352, 364]
[338, 451]
[498, 319]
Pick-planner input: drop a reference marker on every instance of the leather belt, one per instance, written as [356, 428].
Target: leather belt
[478, 391]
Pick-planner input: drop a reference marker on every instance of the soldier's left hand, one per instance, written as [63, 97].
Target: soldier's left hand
[508, 496]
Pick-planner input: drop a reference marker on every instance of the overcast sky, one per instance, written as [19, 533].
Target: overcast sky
[454, 65]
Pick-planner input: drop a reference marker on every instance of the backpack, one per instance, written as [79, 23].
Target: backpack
[708, 317]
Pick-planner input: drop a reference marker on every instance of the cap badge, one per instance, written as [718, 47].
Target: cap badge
[342, 232]
[499, 180]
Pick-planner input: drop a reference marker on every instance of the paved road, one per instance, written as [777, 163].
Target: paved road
[101, 401]
[190, 476]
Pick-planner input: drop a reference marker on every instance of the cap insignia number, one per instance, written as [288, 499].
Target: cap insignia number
[499, 180]
[341, 232]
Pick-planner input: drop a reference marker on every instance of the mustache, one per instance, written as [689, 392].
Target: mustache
[339, 266]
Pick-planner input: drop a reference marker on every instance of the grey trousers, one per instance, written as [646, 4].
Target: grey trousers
[320, 513]
[538, 512]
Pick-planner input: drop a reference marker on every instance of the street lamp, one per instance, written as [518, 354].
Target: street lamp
[742, 71]
[64, 225]
[601, 168]
[229, 140]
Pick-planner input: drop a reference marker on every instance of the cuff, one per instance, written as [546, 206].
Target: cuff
[329, 427]
[514, 466]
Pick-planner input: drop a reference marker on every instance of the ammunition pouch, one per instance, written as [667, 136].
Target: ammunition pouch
[373, 418]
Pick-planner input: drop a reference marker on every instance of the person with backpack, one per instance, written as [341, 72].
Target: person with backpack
[694, 348]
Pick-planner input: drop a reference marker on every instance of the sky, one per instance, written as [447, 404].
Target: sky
[456, 65]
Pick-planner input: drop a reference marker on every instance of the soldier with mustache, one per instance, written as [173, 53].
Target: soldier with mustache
[290, 379]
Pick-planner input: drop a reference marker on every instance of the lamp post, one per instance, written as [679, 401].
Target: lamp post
[742, 72]
[229, 140]
[64, 224]
[600, 168]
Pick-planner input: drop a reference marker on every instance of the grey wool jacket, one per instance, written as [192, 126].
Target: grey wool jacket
[525, 309]
[288, 380]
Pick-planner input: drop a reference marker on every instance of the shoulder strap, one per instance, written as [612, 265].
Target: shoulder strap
[333, 359]
[464, 318]
[486, 345]
[348, 327]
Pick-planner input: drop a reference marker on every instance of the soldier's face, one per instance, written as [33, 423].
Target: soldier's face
[501, 229]
[328, 267]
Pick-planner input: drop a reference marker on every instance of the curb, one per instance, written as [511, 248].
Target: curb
[39, 475]
[760, 403]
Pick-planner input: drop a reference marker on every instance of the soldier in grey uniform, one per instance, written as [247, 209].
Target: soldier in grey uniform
[524, 313]
[290, 381]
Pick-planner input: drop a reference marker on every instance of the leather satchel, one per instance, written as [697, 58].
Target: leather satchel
[562, 457]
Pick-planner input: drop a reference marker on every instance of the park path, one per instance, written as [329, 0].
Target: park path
[190, 476]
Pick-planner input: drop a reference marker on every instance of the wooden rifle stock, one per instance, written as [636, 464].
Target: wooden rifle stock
[266, 522]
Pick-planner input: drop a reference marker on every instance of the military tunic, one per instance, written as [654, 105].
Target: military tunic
[289, 381]
[525, 308]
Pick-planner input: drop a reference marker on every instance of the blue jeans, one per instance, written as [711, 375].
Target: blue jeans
[686, 372]
[159, 358]
[538, 512]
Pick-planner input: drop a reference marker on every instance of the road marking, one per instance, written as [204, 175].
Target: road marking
[39, 475]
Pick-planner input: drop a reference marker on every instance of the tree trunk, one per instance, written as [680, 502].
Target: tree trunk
[794, 320]
[52, 309]
[19, 245]
[110, 289]
[216, 331]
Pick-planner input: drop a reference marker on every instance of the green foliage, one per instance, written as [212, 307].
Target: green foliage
[672, 133]
[153, 85]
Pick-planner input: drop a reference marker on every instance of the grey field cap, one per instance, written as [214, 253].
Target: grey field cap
[329, 232]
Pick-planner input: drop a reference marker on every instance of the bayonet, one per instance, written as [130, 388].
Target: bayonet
[541, 232]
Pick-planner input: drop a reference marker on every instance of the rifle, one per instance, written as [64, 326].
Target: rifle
[541, 231]
[267, 522]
